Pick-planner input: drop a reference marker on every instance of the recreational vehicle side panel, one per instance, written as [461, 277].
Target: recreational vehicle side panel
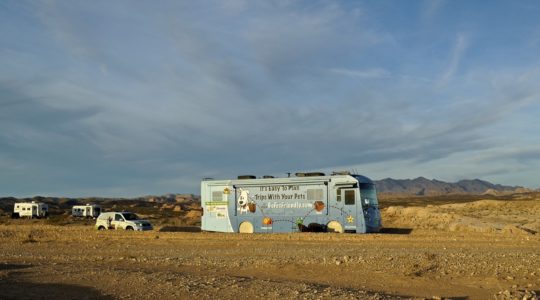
[336, 203]
[216, 198]
[281, 206]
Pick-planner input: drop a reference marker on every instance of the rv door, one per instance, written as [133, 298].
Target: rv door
[349, 197]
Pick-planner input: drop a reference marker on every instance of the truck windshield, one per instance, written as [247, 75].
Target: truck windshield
[368, 194]
[130, 216]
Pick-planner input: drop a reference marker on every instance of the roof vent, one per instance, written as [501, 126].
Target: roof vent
[341, 173]
[247, 177]
[268, 176]
[309, 174]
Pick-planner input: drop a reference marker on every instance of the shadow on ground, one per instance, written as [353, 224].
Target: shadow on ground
[180, 229]
[391, 230]
[13, 286]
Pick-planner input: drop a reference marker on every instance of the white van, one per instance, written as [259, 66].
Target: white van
[121, 220]
[88, 210]
[30, 210]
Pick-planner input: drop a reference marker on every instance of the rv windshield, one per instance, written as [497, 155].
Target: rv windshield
[130, 216]
[368, 194]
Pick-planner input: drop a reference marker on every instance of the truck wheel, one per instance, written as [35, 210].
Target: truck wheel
[129, 228]
[101, 228]
[334, 226]
[245, 227]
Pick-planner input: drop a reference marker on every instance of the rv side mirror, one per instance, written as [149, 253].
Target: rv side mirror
[366, 201]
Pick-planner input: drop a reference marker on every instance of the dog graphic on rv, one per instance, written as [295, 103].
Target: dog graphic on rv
[244, 204]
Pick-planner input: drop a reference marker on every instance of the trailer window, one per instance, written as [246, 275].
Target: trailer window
[349, 197]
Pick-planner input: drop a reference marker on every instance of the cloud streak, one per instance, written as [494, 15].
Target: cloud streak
[366, 74]
[458, 50]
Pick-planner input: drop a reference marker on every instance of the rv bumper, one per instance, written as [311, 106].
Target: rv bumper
[371, 229]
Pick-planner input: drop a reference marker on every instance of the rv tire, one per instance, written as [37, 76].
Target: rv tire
[245, 227]
[101, 228]
[129, 228]
[316, 227]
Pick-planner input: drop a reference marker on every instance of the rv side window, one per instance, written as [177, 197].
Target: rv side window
[118, 217]
[314, 194]
[349, 197]
[338, 195]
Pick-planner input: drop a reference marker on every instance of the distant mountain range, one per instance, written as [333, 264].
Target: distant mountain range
[422, 186]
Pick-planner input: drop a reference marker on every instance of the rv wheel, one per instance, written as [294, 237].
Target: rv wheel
[129, 228]
[101, 228]
[316, 227]
[245, 227]
[334, 226]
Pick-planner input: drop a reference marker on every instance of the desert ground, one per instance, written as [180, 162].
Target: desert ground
[429, 249]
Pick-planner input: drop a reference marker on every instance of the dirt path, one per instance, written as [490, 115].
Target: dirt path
[78, 262]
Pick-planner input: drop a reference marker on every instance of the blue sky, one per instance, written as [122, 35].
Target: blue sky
[126, 98]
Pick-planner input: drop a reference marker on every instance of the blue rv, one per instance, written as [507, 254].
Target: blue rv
[341, 202]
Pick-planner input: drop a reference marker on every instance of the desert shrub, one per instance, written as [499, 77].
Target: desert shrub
[29, 239]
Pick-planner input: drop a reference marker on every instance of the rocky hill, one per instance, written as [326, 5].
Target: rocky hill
[424, 187]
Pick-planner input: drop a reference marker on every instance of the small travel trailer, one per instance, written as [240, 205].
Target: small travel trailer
[86, 211]
[30, 210]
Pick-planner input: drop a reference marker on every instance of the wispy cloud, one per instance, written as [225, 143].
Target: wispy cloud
[431, 8]
[128, 98]
[366, 74]
[460, 45]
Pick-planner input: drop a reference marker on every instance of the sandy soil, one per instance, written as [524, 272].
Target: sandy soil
[478, 250]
